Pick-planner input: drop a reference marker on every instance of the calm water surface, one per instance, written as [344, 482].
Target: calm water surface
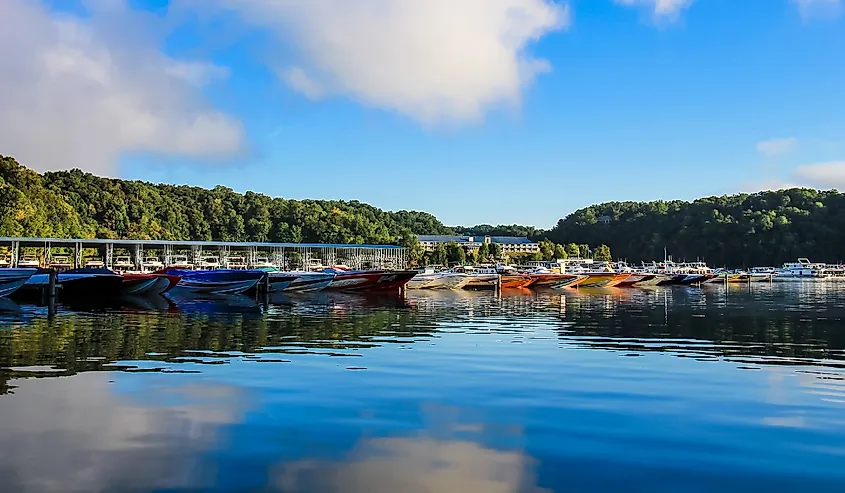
[679, 389]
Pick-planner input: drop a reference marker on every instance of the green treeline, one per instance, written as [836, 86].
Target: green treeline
[73, 204]
[766, 228]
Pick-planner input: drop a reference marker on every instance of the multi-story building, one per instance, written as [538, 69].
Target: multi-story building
[508, 244]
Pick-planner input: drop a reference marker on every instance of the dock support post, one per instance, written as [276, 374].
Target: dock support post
[48, 292]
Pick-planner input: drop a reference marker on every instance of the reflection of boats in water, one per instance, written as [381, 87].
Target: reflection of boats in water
[213, 303]
[364, 299]
[120, 303]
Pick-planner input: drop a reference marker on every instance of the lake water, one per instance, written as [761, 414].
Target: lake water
[670, 389]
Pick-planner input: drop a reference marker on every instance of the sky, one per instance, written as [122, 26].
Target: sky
[478, 111]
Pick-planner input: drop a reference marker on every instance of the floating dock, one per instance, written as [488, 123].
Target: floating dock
[250, 254]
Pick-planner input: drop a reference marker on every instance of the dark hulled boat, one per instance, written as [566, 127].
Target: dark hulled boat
[222, 281]
[368, 280]
[146, 284]
[13, 279]
[75, 283]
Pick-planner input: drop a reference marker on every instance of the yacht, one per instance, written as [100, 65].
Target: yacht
[803, 269]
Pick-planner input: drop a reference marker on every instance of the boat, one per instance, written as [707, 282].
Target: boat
[549, 279]
[516, 281]
[29, 261]
[307, 282]
[220, 281]
[95, 263]
[60, 262]
[236, 263]
[367, 280]
[180, 262]
[574, 282]
[263, 263]
[428, 278]
[4, 262]
[13, 279]
[657, 280]
[84, 282]
[279, 281]
[480, 277]
[151, 264]
[122, 264]
[635, 279]
[144, 284]
[208, 263]
[603, 279]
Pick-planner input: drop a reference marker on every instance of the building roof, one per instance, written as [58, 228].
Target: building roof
[505, 240]
[93, 242]
[510, 240]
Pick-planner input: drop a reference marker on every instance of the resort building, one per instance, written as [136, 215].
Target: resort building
[508, 244]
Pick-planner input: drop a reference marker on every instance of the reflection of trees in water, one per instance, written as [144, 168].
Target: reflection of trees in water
[771, 322]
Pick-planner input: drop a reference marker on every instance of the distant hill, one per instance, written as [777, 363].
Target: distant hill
[78, 204]
[766, 228]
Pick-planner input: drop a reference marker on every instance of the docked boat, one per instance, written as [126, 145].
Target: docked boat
[516, 281]
[221, 281]
[428, 278]
[146, 284]
[151, 264]
[309, 282]
[208, 263]
[29, 261]
[122, 264]
[279, 281]
[180, 262]
[85, 282]
[603, 279]
[95, 263]
[480, 277]
[368, 280]
[13, 279]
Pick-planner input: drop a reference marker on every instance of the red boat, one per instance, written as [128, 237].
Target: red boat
[142, 284]
[369, 280]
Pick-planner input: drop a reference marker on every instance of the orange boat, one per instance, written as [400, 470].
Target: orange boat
[548, 280]
[517, 281]
[603, 279]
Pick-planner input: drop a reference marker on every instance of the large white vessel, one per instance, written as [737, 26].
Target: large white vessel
[803, 269]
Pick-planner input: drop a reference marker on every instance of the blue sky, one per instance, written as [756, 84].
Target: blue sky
[478, 111]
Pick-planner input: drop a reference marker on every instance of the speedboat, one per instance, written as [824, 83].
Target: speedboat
[12, 279]
[143, 284]
[221, 281]
[307, 282]
[279, 281]
[368, 280]
[29, 261]
[151, 264]
[85, 282]
[428, 278]
[123, 264]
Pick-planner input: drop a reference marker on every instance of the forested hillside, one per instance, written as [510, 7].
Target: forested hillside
[766, 228]
[76, 204]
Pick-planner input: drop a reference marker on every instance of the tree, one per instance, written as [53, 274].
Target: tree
[410, 241]
[560, 252]
[547, 250]
[572, 250]
[584, 250]
[495, 251]
[602, 253]
[483, 253]
[440, 255]
[455, 253]
[537, 257]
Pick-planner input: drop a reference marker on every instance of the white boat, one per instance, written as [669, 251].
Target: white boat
[94, 263]
[123, 264]
[236, 263]
[803, 269]
[152, 264]
[480, 277]
[60, 262]
[208, 263]
[29, 261]
[4, 262]
[428, 278]
[263, 263]
[12, 279]
[180, 262]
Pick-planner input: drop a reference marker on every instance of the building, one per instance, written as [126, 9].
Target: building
[508, 244]
[604, 219]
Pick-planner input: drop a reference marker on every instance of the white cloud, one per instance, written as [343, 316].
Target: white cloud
[822, 175]
[660, 9]
[437, 61]
[79, 92]
[777, 147]
[818, 8]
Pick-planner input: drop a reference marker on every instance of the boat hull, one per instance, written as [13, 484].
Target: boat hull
[370, 280]
[482, 281]
[279, 281]
[147, 284]
[216, 281]
[516, 281]
[603, 279]
[439, 281]
[635, 280]
[550, 280]
[13, 279]
[309, 282]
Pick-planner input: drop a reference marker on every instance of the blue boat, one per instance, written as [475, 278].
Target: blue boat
[13, 279]
[221, 281]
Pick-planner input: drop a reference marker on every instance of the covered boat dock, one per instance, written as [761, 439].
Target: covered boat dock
[75, 253]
